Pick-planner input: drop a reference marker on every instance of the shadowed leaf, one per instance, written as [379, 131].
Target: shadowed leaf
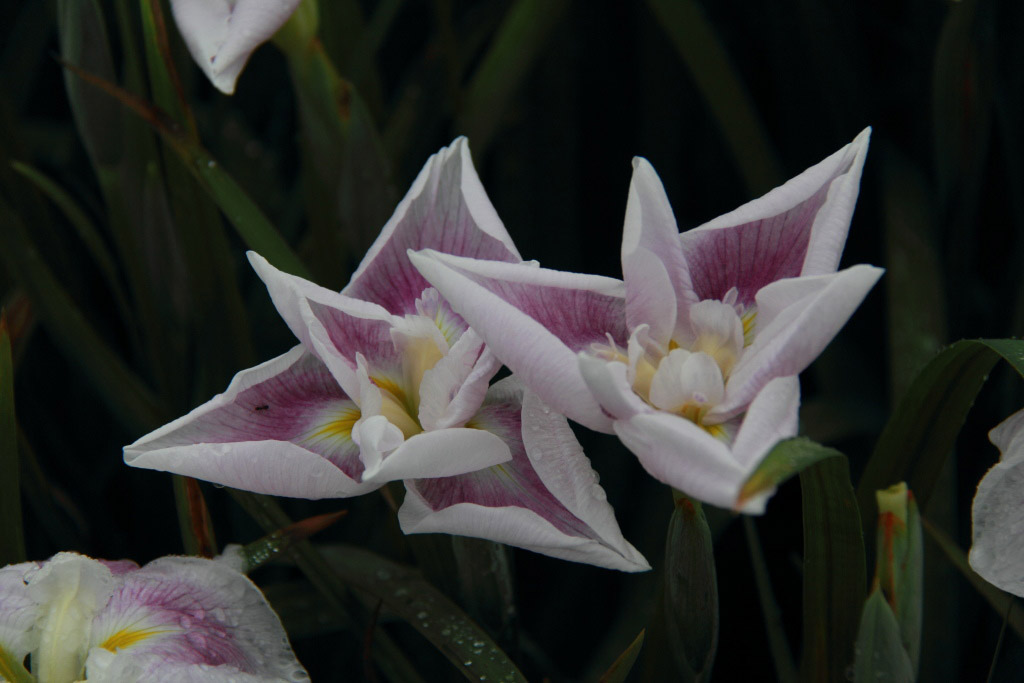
[786, 459]
[12, 539]
[621, 667]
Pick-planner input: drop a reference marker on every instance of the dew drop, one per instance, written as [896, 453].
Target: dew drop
[383, 574]
[422, 615]
[211, 164]
[446, 632]
[401, 592]
[478, 643]
[468, 662]
[599, 493]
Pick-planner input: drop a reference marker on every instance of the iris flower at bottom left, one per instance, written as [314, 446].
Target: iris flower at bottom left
[183, 619]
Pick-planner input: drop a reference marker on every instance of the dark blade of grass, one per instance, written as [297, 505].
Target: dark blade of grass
[252, 226]
[128, 397]
[515, 49]
[12, 532]
[923, 428]
[834, 570]
[716, 78]
[623, 664]
[86, 230]
[406, 593]
[785, 669]
[331, 586]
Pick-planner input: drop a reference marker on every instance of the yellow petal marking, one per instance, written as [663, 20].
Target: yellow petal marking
[340, 427]
[749, 320]
[125, 638]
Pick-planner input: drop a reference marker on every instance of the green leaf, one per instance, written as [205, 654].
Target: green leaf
[404, 592]
[124, 392]
[12, 533]
[519, 42]
[719, 83]
[924, 426]
[834, 570]
[252, 226]
[621, 667]
[259, 552]
[331, 586]
[691, 590]
[486, 586]
[999, 600]
[880, 653]
[86, 230]
[348, 180]
[785, 459]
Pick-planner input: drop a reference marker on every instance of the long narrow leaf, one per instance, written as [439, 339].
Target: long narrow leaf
[786, 459]
[248, 220]
[834, 571]
[12, 538]
[921, 432]
[123, 391]
[269, 515]
[86, 230]
[438, 619]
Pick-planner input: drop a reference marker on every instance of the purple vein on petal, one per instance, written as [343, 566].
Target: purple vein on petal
[302, 404]
[511, 484]
[447, 210]
[751, 255]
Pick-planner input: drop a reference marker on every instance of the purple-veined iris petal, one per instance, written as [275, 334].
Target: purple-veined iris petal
[798, 332]
[997, 546]
[176, 619]
[658, 289]
[534, 320]
[332, 326]
[799, 228]
[545, 499]
[191, 611]
[222, 34]
[283, 428]
[447, 210]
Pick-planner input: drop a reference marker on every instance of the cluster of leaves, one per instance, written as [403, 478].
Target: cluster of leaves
[125, 208]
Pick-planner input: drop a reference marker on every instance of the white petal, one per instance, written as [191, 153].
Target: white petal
[997, 550]
[534, 321]
[178, 612]
[658, 287]
[453, 389]
[609, 384]
[558, 458]
[441, 453]
[18, 611]
[686, 378]
[330, 325]
[70, 590]
[797, 332]
[261, 435]
[222, 34]
[681, 454]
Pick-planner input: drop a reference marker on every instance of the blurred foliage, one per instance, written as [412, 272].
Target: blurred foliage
[123, 236]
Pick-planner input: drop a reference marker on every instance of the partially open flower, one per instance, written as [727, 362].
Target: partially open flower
[175, 619]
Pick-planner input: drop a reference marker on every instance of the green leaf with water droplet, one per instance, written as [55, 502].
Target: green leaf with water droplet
[406, 593]
[923, 428]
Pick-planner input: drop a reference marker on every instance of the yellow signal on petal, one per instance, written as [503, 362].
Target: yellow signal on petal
[749, 320]
[125, 638]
